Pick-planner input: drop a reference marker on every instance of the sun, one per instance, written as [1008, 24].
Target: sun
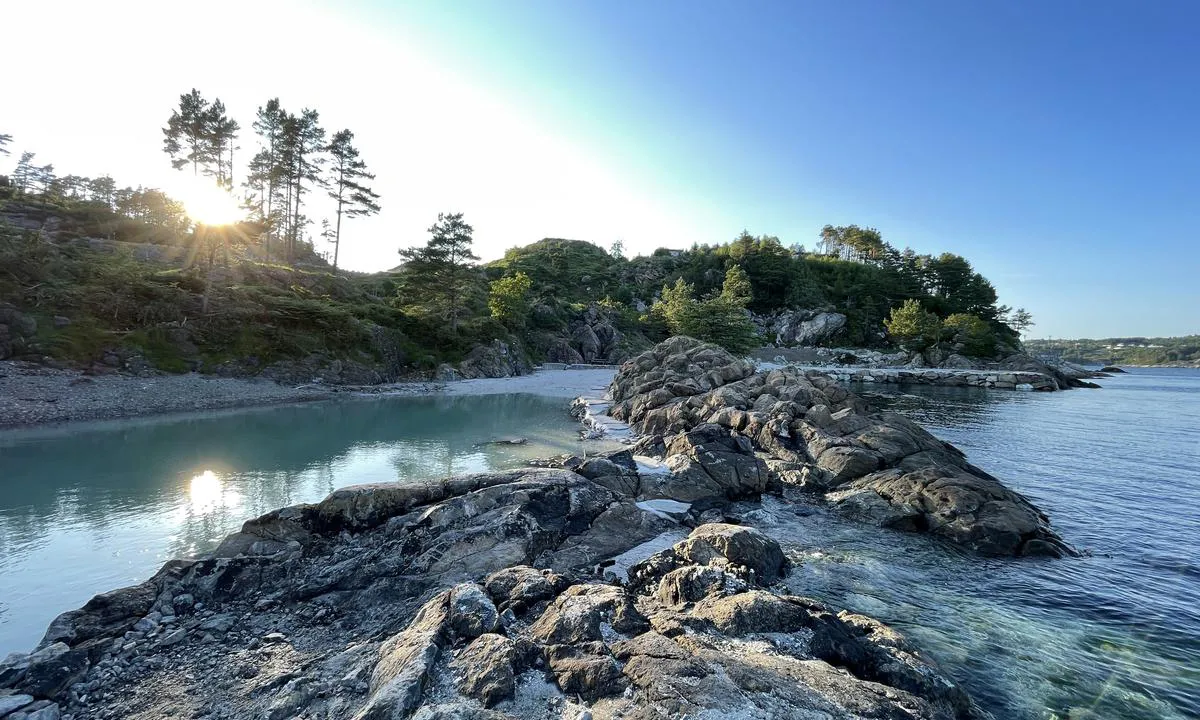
[208, 204]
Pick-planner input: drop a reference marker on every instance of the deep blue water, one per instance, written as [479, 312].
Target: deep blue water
[1113, 635]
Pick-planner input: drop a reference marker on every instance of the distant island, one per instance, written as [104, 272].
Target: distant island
[1137, 351]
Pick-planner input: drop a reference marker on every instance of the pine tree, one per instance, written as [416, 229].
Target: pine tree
[347, 173]
[25, 173]
[441, 272]
[1021, 321]
[302, 140]
[736, 288]
[103, 189]
[329, 237]
[74, 186]
[188, 134]
[222, 139]
[913, 327]
[722, 319]
[265, 170]
[4, 140]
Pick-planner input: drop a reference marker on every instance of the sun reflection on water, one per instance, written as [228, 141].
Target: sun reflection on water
[207, 493]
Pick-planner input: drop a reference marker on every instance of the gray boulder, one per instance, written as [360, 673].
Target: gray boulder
[805, 328]
[484, 669]
[737, 551]
[495, 360]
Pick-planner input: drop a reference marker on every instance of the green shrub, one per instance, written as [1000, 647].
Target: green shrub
[913, 327]
[509, 299]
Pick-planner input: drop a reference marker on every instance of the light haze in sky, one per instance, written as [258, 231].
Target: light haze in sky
[1054, 145]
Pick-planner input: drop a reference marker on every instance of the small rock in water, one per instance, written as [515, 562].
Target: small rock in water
[505, 441]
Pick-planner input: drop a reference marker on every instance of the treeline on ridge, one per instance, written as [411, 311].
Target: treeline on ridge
[268, 297]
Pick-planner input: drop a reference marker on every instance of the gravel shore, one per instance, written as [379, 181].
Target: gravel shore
[34, 395]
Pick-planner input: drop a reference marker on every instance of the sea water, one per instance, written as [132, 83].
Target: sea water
[89, 508]
[1111, 635]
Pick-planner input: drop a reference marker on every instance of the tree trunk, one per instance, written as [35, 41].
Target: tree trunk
[337, 233]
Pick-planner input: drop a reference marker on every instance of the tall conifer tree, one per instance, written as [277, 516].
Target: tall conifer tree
[188, 134]
[440, 273]
[346, 185]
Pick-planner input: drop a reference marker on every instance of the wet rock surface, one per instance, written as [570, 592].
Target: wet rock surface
[725, 430]
[480, 597]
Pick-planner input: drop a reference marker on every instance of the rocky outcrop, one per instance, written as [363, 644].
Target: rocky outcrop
[317, 368]
[17, 330]
[800, 328]
[935, 366]
[592, 337]
[474, 598]
[718, 424]
[1066, 374]
[994, 379]
[497, 359]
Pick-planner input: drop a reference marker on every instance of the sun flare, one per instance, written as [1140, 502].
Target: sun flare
[208, 204]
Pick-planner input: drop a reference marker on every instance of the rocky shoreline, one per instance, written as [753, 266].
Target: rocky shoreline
[866, 365]
[1000, 380]
[612, 586]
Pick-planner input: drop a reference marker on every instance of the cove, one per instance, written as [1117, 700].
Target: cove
[90, 507]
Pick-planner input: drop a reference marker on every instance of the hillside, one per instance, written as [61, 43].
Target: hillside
[1180, 351]
[138, 287]
[71, 294]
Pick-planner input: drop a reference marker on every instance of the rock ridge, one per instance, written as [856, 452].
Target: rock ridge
[688, 398]
[486, 596]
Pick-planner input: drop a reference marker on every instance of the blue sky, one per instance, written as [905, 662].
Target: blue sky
[1056, 144]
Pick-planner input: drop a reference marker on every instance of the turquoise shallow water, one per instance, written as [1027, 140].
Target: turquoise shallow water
[1113, 635]
[86, 509]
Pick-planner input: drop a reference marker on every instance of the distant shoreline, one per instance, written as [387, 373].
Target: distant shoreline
[1160, 366]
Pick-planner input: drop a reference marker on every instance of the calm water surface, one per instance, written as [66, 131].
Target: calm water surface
[1113, 635]
[87, 509]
